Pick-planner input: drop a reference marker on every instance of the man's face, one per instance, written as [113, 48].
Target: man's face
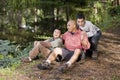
[71, 26]
[81, 22]
[56, 33]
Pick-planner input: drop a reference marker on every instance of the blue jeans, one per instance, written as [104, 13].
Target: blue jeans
[94, 42]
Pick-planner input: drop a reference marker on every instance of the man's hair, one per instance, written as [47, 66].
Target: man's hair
[80, 15]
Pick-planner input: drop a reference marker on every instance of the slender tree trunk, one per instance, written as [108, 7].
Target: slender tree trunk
[67, 13]
[35, 20]
[19, 19]
[52, 20]
[57, 14]
[118, 2]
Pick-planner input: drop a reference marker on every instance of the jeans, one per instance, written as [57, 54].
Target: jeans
[94, 42]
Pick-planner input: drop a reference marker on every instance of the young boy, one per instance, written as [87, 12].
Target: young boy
[45, 47]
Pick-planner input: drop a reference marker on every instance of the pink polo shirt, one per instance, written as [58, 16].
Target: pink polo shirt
[73, 41]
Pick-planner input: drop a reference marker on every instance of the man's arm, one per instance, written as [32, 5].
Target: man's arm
[84, 40]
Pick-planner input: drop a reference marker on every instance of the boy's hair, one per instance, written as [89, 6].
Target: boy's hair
[58, 29]
[80, 15]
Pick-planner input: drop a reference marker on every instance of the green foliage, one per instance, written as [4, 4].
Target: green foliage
[10, 54]
[9, 72]
[115, 77]
[103, 14]
[19, 36]
[114, 10]
[5, 48]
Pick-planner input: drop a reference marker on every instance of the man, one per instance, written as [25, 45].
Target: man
[74, 40]
[45, 47]
[92, 31]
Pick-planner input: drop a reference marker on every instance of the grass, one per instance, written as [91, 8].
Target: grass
[6, 73]
[114, 77]
[9, 73]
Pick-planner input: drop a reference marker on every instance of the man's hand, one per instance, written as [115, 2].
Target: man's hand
[83, 34]
[83, 38]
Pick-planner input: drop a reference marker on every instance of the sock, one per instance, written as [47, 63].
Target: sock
[29, 59]
[48, 61]
[69, 64]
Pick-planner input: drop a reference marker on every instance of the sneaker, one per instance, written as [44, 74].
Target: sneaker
[94, 55]
[26, 60]
[44, 65]
[82, 61]
[63, 68]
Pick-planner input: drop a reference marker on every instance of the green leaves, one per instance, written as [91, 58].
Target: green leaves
[11, 54]
[5, 47]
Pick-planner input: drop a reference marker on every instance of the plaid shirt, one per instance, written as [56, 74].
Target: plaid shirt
[72, 41]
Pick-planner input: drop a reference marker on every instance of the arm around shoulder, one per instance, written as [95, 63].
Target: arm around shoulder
[57, 43]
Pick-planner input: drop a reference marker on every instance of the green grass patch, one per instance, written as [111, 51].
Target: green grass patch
[6, 71]
[115, 77]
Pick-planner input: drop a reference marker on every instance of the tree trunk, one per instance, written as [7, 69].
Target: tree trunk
[19, 19]
[67, 13]
[35, 20]
[52, 19]
[118, 2]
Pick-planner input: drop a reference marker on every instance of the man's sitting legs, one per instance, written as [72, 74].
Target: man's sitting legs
[70, 56]
[71, 61]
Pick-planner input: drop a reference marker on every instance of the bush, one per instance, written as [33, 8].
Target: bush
[10, 54]
[113, 11]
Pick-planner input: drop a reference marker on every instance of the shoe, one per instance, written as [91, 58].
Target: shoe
[44, 65]
[83, 55]
[26, 60]
[82, 61]
[94, 55]
[63, 68]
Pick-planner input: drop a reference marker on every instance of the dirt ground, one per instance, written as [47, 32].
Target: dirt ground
[107, 67]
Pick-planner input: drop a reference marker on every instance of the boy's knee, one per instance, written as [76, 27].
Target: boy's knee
[36, 42]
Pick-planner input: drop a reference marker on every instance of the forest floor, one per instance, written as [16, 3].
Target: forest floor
[107, 67]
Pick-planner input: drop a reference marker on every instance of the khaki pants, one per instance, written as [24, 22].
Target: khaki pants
[39, 48]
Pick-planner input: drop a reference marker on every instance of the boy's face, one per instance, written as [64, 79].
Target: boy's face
[56, 33]
[81, 22]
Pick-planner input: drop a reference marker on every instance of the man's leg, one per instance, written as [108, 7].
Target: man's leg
[94, 42]
[89, 51]
[52, 57]
[72, 60]
[54, 54]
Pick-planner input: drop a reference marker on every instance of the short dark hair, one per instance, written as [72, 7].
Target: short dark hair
[80, 15]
